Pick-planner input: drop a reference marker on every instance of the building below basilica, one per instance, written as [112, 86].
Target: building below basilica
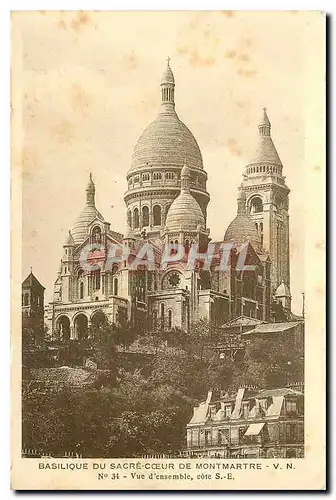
[251, 423]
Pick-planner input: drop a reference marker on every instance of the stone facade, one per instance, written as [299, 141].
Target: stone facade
[166, 203]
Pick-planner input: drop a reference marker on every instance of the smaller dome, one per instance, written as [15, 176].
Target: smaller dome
[80, 228]
[167, 76]
[282, 290]
[185, 214]
[242, 230]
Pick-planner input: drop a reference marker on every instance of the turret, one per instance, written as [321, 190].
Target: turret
[283, 295]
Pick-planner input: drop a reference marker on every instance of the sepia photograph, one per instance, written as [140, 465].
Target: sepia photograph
[163, 303]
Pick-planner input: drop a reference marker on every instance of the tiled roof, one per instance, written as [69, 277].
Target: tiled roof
[273, 327]
[283, 391]
[31, 281]
[242, 321]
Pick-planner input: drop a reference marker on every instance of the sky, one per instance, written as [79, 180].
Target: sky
[89, 85]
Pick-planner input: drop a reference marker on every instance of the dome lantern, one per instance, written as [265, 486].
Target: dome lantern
[241, 202]
[167, 86]
[265, 125]
[90, 192]
[185, 177]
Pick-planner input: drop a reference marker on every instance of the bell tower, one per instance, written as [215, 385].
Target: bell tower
[267, 203]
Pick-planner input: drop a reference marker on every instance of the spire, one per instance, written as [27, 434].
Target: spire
[185, 177]
[265, 125]
[167, 86]
[69, 241]
[241, 202]
[90, 192]
[266, 152]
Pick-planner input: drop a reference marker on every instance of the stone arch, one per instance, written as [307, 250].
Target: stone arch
[256, 205]
[63, 327]
[81, 329]
[98, 320]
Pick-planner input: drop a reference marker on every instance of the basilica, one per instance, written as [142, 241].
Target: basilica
[166, 203]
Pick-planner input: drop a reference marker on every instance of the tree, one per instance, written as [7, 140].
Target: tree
[201, 334]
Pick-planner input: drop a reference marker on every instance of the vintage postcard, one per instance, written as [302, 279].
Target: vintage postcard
[168, 250]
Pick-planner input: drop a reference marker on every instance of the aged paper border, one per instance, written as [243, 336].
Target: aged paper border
[309, 473]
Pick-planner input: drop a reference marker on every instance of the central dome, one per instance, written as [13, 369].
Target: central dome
[166, 141]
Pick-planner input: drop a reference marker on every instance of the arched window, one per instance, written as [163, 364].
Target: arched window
[157, 176]
[256, 205]
[136, 218]
[96, 234]
[157, 215]
[145, 176]
[81, 290]
[26, 299]
[186, 246]
[145, 216]
[96, 279]
[169, 318]
[162, 310]
[115, 286]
